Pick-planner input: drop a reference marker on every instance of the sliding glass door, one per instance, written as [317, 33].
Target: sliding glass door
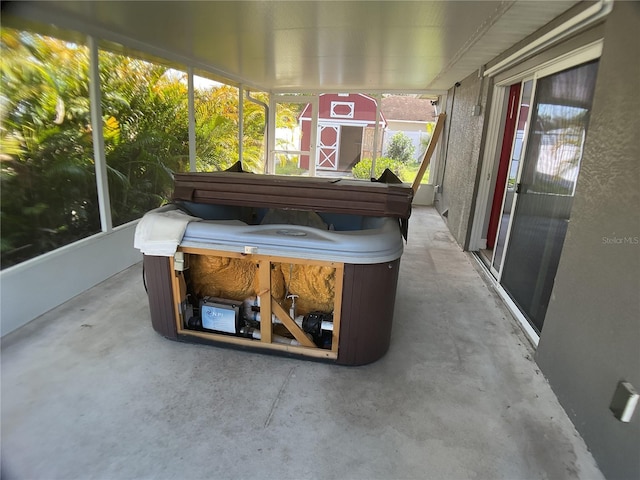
[544, 189]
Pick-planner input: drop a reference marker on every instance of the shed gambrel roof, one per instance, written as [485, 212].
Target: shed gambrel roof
[365, 107]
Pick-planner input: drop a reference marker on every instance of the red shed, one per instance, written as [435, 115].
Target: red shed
[345, 130]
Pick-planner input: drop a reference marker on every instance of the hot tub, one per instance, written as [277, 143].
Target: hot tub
[247, 264]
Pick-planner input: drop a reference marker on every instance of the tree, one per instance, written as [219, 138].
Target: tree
[47, 170]
[217, 126]
[146, 133]
[47, 176]
[49, 195]
[401, 148]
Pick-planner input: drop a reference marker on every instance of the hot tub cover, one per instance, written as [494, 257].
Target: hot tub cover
[358, 197]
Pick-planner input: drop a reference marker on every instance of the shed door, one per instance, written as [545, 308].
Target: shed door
[328, 146]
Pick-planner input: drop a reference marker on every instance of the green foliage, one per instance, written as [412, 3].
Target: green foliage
[401, 148]
[404, 171]
[424, 144]
[48, 188]
[145, 133]
[409, 171]
[47, 170]
[363, 168]
[289, 168]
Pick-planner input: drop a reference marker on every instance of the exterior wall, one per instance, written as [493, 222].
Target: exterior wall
[406, 126]
[62, 274]
[458, 176]
[591, 337]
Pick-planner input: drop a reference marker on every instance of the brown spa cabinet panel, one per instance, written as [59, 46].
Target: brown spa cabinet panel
[366, 299]
[359, 253]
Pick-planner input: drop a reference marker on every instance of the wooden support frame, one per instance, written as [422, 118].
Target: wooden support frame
[426, 160]
[268, 305]
[179, 291]
[337, 306]
[292, 326]
[264, 276]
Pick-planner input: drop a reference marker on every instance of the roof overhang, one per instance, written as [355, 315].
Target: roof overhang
[309, 46]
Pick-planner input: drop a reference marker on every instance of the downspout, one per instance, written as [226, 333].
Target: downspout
[440, 187]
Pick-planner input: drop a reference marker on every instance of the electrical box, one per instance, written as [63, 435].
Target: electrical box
[624, 402]
[219, 315]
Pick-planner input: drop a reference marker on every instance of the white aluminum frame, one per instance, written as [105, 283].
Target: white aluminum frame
[313, 145]
[97, 131]
[497, 273]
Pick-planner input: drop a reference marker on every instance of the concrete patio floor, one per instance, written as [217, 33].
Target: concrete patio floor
[89, 390]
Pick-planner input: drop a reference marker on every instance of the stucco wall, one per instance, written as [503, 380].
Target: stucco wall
[591, 337]
[457, 177]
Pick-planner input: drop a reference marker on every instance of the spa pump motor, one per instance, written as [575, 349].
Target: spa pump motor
[243, 319]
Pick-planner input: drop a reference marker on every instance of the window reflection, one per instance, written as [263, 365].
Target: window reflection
[561, 130]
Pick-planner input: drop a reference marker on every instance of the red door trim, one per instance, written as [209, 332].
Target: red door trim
[503, 168]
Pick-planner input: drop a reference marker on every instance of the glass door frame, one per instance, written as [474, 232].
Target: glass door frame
[497, 273]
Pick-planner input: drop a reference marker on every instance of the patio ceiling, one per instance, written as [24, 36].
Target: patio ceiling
[286, 46]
